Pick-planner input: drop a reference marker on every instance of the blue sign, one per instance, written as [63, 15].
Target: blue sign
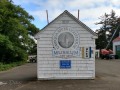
[65, 64]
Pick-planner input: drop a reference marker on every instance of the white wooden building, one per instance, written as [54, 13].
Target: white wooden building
[65, 49]
[116, 46]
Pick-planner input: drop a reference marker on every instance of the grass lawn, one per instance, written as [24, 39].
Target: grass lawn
[4, 67]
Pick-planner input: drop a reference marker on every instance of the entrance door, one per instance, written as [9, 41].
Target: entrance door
[118, 50]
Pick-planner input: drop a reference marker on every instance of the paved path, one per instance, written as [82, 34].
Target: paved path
[24, 78]
[18, 76]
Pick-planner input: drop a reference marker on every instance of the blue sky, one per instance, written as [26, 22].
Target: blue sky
[90, 10]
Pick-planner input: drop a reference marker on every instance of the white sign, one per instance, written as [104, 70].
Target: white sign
[65, 43]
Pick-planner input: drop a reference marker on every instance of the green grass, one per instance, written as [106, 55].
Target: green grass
[4, 67]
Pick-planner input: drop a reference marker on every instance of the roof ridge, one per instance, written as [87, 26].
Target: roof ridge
[73, 17]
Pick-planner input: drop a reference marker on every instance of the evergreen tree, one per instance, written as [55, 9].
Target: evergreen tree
[110, 22]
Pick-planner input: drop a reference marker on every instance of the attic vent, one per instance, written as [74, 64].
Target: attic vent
[65, 21]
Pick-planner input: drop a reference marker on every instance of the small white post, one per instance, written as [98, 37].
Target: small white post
[78, 14]
[47, 16]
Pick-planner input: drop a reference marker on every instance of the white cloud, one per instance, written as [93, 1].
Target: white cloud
[90, 10]
[83, 4]
[115, 2]
[40, 14]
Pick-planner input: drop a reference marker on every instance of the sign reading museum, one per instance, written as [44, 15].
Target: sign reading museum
[65, 42]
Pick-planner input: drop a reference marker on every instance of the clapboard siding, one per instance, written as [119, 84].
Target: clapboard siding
[52, 30]
[81, 35]
[79, 29]
[81, 45]
[61, 21]
[75, 61]
[84, 39]
[49, 49]
[68, 71]
[43, 57]
[81, 42]
[44, 49]
[73, 69]
[48, 56]
[57, 65]
[45, 39]
[68, 25]
[56, 60]
[49, 66]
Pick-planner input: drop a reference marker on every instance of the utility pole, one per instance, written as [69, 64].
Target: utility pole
[112, 36]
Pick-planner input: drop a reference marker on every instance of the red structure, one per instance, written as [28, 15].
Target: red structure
[106, 53]
[116, 39]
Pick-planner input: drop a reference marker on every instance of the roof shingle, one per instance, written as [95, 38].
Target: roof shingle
[116, 39]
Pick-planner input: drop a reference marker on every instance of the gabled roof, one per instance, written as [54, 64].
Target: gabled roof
[116, 39]
[74, 18]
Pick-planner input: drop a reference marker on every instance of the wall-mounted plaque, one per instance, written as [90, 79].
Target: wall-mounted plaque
[65, 42]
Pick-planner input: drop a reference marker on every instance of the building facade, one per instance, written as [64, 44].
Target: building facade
[66, 49]
[116, 46]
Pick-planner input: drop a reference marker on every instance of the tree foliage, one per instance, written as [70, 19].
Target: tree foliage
[15, 31]
[110, 22]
